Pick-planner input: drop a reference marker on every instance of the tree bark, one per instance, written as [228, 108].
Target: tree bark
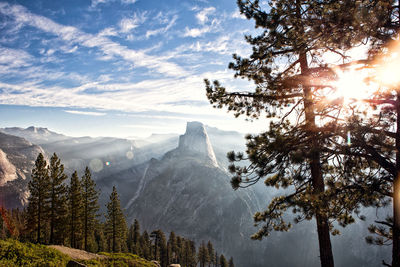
[325, 247]
[396, 194]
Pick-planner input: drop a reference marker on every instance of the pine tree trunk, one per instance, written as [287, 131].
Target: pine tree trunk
[396, 196]
[52, 217]
[38, 226]
[325, 247]
[86, 222]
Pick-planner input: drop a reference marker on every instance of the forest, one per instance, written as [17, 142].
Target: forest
[67, 213]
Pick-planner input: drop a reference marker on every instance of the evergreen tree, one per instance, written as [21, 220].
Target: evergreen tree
[160, 247]
[129, 240]
[145, 246]
[203, 255]
[99, 237]
[192, 259]
[222, 261]
[230, 264]
[58, 199]
[295, 152]
[173, 250]
[164, 260]
[180, 247]
[75, 205]
[90, 206]
[374, 131]
[115, 223]
[134, 238]
[211, 256]
[38, 206]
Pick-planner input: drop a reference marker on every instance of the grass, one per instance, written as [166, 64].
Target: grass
[14, 253]
[120, 259]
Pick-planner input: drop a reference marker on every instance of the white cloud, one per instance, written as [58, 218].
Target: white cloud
[196, 32]
[202, 16]
[162, 30]
[237, 15]
[110, 31]
[14, 58]
[96, 2]
[128, 24]
[88, 113]
[128, 1]
[73, 36]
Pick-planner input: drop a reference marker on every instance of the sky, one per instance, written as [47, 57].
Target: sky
[119, 67]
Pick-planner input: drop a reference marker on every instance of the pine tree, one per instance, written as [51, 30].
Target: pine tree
[180, 247]
[164, 260]
[90, 206]
[75, 205]
[173, 250]
[222, 261]
[295, 152]
[375, 131]
[203, 255]
[99, 237]
[211, 256]
[38, 206]
[115, 223]
[145, 246]
[192, 259]
[230, 264]
[58, 199]
[134, 238]
[129, 241]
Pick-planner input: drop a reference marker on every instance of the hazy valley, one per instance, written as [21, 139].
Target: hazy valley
[179, 183]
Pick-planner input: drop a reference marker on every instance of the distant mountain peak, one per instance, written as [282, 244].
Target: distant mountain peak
[196, 141]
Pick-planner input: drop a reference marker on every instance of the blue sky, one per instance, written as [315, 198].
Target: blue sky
[118, 67]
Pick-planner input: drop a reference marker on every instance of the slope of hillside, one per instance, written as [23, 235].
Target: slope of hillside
[14, 254]
[17, 158]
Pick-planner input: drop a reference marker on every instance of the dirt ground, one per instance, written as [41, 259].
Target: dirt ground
[77, 254]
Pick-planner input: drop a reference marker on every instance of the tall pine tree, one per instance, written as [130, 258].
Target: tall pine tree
[90, 206]
[58, 200]
[75, 210]
[292, 153]
[38, 206]
[222, 261]
[115, 228]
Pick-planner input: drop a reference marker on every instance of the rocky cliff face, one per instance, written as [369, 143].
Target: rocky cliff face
[187, 192]
[195, 143]
[17, 158]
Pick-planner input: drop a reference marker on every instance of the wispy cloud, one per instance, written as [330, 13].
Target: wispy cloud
[128, 1]
[88, 113]
[128, 24]
[237, 15]
[74, 36]
[96, 2]
[196, 32]
[207, 23]
[14, 58]
[162, 30]
[203, 15]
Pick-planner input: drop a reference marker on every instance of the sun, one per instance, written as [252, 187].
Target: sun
[359, 82]
[352, 84]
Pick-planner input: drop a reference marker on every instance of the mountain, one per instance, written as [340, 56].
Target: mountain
[187, 192]
[180, 183]
[17, 158]
[36, 135]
